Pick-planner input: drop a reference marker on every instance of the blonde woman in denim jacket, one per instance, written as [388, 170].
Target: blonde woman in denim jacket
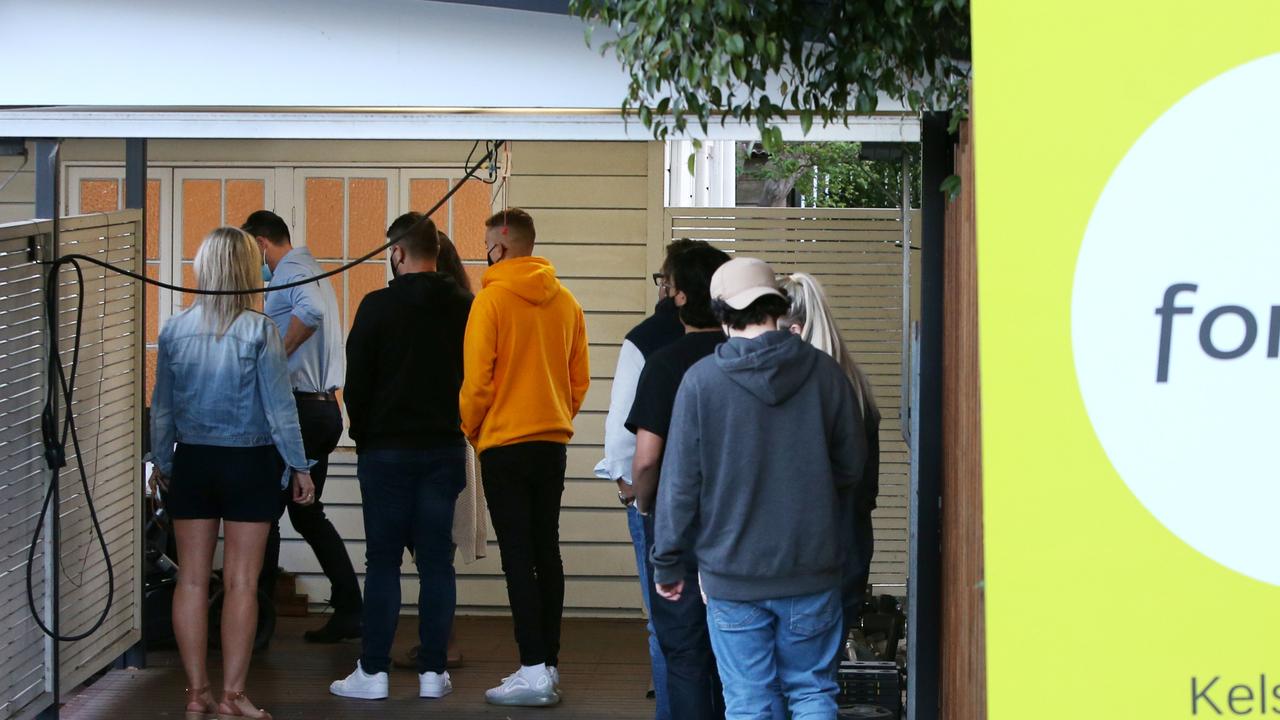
[222, 395]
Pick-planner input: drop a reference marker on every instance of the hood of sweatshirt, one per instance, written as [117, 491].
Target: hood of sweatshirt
[424, 289]
[772, 366]
[532, 279]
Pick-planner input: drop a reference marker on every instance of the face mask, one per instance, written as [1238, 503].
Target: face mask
[266, 272]
[488, 255]
[391, 259]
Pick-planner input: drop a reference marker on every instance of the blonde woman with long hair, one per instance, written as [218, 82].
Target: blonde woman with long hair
[809, 316]
[222, 396]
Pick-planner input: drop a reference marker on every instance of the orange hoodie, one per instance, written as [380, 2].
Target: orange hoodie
[525, 367]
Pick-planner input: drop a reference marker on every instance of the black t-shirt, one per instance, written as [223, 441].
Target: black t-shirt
[660, 379]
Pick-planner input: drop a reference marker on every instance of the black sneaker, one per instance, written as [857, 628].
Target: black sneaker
[340, 626]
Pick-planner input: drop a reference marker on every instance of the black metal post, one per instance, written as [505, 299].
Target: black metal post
[925, 571]
[47, 182]
[135, 196]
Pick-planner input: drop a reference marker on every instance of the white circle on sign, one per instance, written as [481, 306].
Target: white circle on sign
[1196, 201]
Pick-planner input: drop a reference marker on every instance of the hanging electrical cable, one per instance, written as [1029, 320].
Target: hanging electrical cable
[55, 445]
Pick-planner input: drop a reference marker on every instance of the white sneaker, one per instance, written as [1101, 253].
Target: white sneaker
[527, 687]
[434, 685]
[361, 685]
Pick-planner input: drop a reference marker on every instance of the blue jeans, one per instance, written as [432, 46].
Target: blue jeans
[408, 498]
[643, 544]
[785, 642]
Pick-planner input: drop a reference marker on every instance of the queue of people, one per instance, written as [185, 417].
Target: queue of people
[741, 436]
[749, 473]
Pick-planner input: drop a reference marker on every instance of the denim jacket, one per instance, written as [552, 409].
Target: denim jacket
[231, 391]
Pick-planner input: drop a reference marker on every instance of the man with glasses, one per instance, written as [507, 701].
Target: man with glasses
[658, 330]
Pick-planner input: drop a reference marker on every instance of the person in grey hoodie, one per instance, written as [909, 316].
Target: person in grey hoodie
[764, 443]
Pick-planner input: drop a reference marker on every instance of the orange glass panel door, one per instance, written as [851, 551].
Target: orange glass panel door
[206, 198]
[101, 189]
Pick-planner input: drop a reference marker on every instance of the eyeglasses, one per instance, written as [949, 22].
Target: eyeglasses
[659, 279]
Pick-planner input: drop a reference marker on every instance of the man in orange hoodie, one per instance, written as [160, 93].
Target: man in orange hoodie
[525, 375]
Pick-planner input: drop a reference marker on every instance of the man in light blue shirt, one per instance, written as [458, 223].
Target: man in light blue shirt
[310, 323]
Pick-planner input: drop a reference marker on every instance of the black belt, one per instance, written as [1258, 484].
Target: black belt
[322, 397]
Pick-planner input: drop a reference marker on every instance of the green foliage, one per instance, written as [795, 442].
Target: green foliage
[694, 62]
[834, 174]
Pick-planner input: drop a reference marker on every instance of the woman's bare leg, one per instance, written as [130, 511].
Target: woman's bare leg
[196, 540]
[242, 561]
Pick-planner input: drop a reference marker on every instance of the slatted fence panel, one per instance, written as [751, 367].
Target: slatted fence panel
[108, 415]
[24, 670]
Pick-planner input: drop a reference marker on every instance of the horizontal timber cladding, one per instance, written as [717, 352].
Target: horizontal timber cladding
[590, 203]
[857, 256]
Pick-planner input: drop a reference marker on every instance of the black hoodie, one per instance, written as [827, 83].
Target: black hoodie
[765, 437]
[404, 364]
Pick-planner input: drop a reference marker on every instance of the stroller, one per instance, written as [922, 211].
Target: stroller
[162, 578]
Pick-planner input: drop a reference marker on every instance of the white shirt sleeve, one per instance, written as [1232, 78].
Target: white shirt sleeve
[620, 443]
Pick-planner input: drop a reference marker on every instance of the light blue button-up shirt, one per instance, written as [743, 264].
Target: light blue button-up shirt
[229, 391]
[319, 364]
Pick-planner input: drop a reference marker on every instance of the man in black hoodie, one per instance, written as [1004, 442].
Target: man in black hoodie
[404, 371]
[765, 437]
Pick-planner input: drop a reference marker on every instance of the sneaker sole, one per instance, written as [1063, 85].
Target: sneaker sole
[434, 694]
[359, 694]
[538, 701]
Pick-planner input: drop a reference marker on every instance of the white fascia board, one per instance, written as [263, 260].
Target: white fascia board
[394, 125]
[300, 53]
[412, 55]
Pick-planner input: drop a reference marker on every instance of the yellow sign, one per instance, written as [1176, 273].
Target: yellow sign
[1128, 189]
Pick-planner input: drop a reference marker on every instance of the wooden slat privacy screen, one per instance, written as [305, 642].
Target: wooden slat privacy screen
[108, 412]
[108, 421]
[24, 673]
[857, 256]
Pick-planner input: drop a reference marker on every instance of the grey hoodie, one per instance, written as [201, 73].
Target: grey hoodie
[764, 435]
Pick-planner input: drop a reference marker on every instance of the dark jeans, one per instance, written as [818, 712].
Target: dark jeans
[408, 498]
[321, 423]
[859, 541]
[523, 484]
[694, 691]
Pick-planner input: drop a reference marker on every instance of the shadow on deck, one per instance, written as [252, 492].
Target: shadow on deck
[604, 668]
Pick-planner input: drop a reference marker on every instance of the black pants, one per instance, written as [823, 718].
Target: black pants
[694, 691]
[523, 484]
[321, 422]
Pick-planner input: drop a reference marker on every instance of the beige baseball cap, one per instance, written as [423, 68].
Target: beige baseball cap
[742, 281]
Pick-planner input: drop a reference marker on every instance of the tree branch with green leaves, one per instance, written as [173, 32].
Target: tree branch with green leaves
[695, 62]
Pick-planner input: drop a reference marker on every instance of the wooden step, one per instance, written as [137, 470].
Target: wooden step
[289, 602]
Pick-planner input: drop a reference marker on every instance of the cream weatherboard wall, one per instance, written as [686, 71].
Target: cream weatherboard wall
[597, 206]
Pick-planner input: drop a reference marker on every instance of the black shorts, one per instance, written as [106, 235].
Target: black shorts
[240, 484]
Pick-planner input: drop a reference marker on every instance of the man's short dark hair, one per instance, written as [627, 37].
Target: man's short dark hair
[416, 234]
[691, 271]
[518, 223]
[269, 225]
[674, 248]
[765, 309]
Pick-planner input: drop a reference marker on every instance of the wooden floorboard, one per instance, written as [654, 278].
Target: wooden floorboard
[604, 667]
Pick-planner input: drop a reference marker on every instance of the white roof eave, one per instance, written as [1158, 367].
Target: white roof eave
[401, 124]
